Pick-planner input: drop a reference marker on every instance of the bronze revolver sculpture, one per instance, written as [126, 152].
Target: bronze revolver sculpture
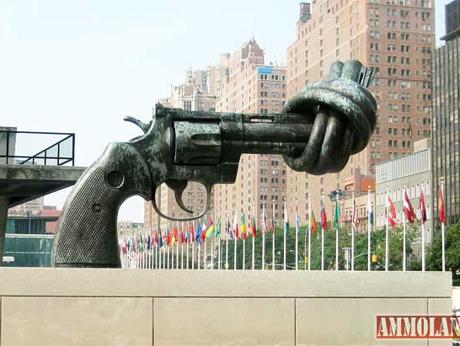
[317, 132]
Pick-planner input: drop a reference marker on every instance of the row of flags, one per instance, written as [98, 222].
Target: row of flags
[190, 233]
[198, 233]
[409, 212]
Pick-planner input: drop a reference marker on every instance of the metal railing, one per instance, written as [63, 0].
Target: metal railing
[59, 153]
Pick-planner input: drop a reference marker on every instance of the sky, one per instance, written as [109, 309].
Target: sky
[81, 66]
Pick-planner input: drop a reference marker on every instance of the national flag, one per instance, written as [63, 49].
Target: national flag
[228, 229]
[286, 219]
[141, 242]
[236, 231]
[175, 235]
[149, 242]
[370, 212]
[168, 238]
[408, 210]
[323, 216]
[187, 233]
[243, 227]
[297, 220]
[182, 237]
[160, 239]
[124, 247]
[192, 232]
[354, 214]
[252, 228]
[203, 232]
[390, 211]
[442, 208]
[264, 220]
[198, 233]
[210, 228]
[422, 208]
[312, 223]
[218, 229]
[337, 215]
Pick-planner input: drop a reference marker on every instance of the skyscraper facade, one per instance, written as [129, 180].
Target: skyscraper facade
[446, 105]
[253, 87]
[396, 37]
[195, 94]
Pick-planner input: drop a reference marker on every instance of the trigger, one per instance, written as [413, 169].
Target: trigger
[178, 186]
[180, 203]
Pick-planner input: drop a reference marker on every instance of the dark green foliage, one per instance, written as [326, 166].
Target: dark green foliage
[434, 258]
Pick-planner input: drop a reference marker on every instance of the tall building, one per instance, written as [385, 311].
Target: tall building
[193, 95]
[252, 87]
[396, 37]
[446, 104]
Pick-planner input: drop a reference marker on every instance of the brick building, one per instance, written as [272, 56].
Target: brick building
[394, 37]
[253, 87]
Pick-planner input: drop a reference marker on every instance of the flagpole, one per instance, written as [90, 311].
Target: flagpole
[177, 252]
[152, 254]
[273, 235]
[193, 240]
[250, 227]
[305, 248]
[404, 241]
[235, 245]
[297, 225]
[386, 233]
[219, 258]
[369, 226]
[226, 253]
[309, 234]
[336, 215]
[322, 248]
[186, 252]
[353, 226]
[443, 244]
[167, 260]
[336, 249]
[211, 250]
[423, 246]
[423, 217]
[227, 231]
[199, 254]
[181, 255]
[322, 237]
[253, 251]
[244, 253]
[443, 235]
[182, 237]
[156, 254]
[284, 235]
[205, 255]
[264, 230]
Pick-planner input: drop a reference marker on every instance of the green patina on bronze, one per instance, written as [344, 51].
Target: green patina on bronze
[317, 132]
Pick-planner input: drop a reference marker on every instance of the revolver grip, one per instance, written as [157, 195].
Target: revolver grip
[87, 229]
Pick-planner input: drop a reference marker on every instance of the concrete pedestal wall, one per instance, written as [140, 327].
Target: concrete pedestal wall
[147, 307]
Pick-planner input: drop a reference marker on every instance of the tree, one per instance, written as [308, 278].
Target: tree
[434, 260]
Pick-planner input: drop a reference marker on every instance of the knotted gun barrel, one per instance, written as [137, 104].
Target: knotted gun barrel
[317, 132]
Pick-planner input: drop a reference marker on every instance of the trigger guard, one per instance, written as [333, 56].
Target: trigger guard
[159, 212]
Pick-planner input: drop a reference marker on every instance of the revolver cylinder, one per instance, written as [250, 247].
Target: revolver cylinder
[210, 143]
